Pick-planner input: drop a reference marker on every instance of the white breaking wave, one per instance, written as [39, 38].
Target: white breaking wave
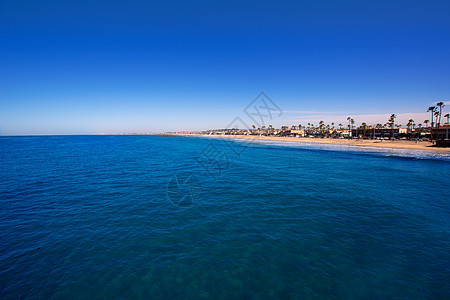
[398, 152]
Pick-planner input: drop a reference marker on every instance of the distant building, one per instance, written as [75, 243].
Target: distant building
[299, 132]
[370, 132]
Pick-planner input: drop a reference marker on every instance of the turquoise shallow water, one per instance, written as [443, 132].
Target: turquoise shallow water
[138, 217]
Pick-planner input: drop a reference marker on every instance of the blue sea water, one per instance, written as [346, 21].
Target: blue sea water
[148, 217]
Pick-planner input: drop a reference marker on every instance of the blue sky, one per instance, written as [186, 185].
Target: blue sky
[81, 67]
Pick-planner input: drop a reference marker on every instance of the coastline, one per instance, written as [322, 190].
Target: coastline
[395, 144]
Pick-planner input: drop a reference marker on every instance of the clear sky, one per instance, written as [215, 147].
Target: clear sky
[80, 67]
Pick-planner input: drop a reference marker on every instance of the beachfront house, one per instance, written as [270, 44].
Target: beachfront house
[441, 135]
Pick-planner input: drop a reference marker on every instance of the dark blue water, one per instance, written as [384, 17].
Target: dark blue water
[138, 217]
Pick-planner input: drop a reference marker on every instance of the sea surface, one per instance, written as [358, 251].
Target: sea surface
[149, 217]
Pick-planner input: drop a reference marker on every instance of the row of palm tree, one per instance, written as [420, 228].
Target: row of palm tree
[325, 129]
[436, 112]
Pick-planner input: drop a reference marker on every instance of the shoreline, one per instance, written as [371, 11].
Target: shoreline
[394, 144]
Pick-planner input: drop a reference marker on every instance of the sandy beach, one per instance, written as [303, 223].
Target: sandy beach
[398, 144]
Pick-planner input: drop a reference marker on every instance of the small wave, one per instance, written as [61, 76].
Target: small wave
[388, 152]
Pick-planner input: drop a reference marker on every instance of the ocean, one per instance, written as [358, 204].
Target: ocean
[150, 217]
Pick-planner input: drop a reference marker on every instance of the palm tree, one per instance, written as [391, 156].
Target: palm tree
[340, 126]
[391, 123]
[441, 105]
[426, 122]
[353, 123]
[432, 109]
[447, 116]
[364, 128]
[437, 114]
[410, 126]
